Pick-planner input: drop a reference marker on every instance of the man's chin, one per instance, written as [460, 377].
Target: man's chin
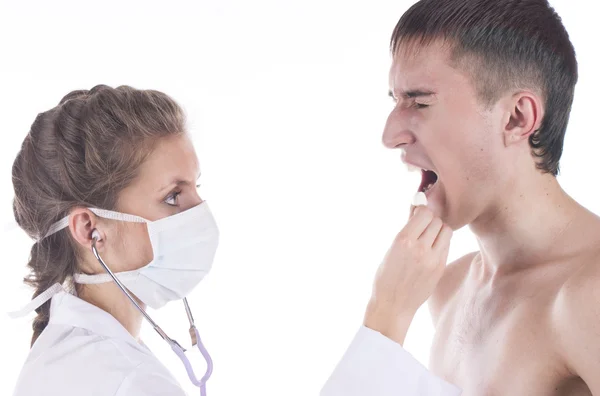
[434, 205]
[452, 221]
[438, 204]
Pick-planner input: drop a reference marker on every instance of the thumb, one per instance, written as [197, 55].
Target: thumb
[412, 211]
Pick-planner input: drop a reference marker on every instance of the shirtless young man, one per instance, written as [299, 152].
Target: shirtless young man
[483, 91]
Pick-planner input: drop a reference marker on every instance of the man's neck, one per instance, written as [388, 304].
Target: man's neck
[523, 226]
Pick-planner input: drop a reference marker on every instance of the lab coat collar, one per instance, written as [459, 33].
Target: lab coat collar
[67, 309]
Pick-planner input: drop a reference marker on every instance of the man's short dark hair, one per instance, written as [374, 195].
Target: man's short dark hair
[504, 45]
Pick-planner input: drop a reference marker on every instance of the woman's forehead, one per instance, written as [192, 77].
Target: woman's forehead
[173, 158]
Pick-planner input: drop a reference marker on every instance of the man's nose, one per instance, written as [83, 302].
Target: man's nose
[396, 133]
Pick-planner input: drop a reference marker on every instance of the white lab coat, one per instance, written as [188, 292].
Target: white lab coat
[374, 365]
[85, 351]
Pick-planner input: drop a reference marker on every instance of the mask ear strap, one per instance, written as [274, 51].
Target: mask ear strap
[59, 225]
[37, 302]
[109, 214]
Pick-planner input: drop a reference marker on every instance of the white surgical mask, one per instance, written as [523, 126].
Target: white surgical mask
[184, 247]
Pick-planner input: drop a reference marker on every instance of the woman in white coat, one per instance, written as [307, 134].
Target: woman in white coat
[105, 183]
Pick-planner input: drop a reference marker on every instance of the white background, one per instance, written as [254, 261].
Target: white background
[286, 102]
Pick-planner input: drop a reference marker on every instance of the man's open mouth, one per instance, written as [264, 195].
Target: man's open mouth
[428, 180]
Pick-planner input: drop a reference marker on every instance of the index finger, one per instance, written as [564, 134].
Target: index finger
[418, 222]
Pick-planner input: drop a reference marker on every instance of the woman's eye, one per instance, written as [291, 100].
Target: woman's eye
[172, 198]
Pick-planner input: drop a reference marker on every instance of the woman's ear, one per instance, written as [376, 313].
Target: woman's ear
[83, 226]
[524, 117]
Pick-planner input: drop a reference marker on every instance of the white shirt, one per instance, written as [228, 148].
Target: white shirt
[86, 351]
[374, 365]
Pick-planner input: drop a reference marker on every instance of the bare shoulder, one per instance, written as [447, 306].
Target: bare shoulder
[581, 291]
[449, 284]
[584, 281]
[577, 318]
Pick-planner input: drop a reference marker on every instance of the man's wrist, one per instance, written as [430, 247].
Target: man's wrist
[390, 322]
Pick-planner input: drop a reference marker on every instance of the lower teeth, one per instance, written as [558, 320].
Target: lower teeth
[428, 187]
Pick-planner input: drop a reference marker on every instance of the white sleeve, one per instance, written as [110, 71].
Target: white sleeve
[374, 365]
[147, 380]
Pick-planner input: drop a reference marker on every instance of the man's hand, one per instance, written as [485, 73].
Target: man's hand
[409, 274]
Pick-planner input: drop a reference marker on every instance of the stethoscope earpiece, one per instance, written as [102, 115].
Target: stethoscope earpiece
[96, 235]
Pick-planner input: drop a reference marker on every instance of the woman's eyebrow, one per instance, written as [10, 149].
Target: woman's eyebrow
[179, 182]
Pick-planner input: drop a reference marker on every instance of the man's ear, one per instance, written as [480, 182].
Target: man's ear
[523, 118]
[82, 224]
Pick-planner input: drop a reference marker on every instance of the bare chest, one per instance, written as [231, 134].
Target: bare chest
[501, 344]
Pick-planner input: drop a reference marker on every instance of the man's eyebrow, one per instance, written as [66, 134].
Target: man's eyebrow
[412, 93]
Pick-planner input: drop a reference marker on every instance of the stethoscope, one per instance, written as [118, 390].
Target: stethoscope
[178, 349]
